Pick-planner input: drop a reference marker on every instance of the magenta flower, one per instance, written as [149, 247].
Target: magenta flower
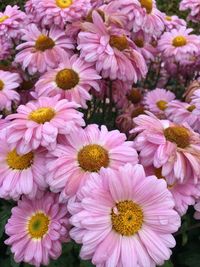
[123, 218]
[72, 163]
[42, 50]
[37, 228]
[39, 123]
[5, 47]
[194, 6]
[72, 80]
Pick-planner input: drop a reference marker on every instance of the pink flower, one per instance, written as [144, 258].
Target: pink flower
[157, 100]
[179, 45]
[39, 123]
[180, 112]
[85, 152]
[174, 147]
[12, 21]
[43, 50]
[111, 51]
[5, 47]
[21, 174]
[197, 208]
[173, 22]
[124, 218]
[184, 194]
[57, 12]
[194, 6]
[37, 228]
[72, 80]
[8, 83]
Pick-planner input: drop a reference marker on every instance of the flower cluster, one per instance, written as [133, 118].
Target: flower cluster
[97, 145]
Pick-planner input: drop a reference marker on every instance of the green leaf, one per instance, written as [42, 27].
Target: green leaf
[168, 264]
[4, 216]
[86, 264]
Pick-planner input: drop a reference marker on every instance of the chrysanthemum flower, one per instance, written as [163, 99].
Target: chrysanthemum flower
[5, 47]
[12, 21]
[112, 52]
[37, 228]
[184, 194]
[180, 112]
[8, 83]
[71, 80]
[21, 174]
[173, 22]
[197, 208]
[157, 100]
[58, 12]
[179, 45]
[144, 15]
[194, 6]
[84, 153]
[124, 218]
[174, 147]
[39, 123]
[42, 50]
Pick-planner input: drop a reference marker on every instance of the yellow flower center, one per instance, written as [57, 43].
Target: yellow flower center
[38, 225]
[147, 4]
[19, 162]
[161, 104]
[136, 112]
[44, 42]
[191, 108]
[179, 41]
[168, 18]
[139, 42]
[3, 18]
[42, 115]
[67, 79]
[64, 3]
[1, 85]
[178, 135]
[92, 157]
[134, 96]
[119, 42]
[127, 218]
[89, 15]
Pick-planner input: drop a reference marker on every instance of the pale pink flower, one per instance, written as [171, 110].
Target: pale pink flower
[36, 229]
[173, 22]
[179, 45]
[12, 21]
[157, 100]
[194, 6]
[123, 218]
[72, 80]
[111, 50]
[57, 12]
[21, 174]
[8, 83]
[43, 50]
[197, 208]
[39, 123]
[180, 112]
[184, 194]
[174, 147]
[85, 152]
[5, 47]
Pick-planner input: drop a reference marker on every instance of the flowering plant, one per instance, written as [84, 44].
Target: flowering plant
[100, 134]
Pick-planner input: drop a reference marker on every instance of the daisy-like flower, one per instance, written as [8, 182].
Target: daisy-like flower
[8, 83]
[197, 208]
[21, 174]
[111, 51]
[5, 47]
[42, 50]
[39, 123]
[174, 147]
[72, 80]
[184, 194]
[173, 22]
[157, 100]
[194, 6]
[179, 45]
[58, 12]
[12, 21]
[180, 112]
[144, 15]
[84, 153]
[133, 216]
[37, 228]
